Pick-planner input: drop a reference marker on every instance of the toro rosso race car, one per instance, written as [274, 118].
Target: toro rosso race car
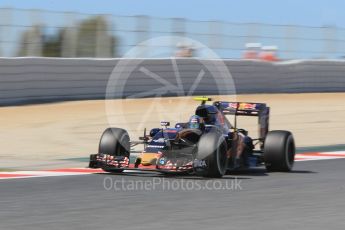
[207, 145]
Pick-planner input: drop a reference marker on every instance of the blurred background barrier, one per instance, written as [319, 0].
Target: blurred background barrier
[43, 33]
[35, 80]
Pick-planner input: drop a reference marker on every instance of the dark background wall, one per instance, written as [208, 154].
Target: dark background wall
[36, 80]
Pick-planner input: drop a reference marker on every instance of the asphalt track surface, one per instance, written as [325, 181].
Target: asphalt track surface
[310, 197]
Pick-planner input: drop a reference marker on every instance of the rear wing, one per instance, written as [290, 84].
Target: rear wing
[260, 110]
[241, 108]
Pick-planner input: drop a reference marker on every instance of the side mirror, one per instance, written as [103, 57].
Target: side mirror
[165, 123]
[154, 131]
[181, 125]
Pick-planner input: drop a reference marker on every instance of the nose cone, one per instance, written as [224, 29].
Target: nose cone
[148, 159]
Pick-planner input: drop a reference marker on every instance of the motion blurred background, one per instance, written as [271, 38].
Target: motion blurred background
[291, 30]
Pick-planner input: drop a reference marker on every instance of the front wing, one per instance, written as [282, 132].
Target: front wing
[109, 162]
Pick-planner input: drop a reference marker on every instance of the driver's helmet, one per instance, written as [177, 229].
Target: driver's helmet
[194, 122]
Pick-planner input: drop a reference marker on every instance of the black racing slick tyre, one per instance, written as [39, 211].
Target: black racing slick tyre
[279, 151]
[115, 142]
[212, 149]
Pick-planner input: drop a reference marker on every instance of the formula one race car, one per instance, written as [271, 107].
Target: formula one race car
[208, 145]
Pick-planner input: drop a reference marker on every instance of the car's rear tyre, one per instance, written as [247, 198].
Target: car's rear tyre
[114, 142]
[212, 149]
[279, 151]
